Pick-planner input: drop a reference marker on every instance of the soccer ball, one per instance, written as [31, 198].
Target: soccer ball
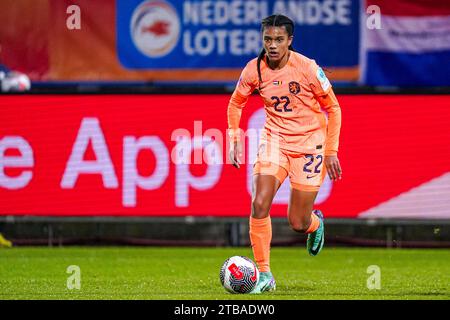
[239, 274]
[14, 82]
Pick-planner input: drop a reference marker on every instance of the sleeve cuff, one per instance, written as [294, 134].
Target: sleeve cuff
[330, 153]
[234, 134]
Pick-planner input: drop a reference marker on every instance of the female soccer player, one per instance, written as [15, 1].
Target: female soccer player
[297, 140]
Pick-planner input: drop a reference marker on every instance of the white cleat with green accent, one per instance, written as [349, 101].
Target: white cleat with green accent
[266, 283]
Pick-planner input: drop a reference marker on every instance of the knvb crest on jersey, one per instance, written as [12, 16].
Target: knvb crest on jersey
[294, 87]
[155, 28]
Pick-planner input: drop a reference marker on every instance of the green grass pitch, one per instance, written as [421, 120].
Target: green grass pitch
[193, 273]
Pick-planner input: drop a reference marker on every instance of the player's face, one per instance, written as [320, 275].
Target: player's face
[276, 42]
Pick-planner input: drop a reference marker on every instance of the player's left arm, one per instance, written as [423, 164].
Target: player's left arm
[330, 103]
[324, 94]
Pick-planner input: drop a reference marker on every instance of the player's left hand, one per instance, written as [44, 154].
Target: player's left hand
[333, 167]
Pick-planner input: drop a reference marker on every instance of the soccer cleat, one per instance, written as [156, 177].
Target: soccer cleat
[266, 283]
[316, 238]
[4, 243]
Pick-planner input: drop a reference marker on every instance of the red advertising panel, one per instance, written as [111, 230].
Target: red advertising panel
[165, 155]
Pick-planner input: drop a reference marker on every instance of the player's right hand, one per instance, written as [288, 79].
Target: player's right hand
[235, 153]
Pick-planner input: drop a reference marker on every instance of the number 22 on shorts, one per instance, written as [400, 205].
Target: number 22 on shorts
[309, 166]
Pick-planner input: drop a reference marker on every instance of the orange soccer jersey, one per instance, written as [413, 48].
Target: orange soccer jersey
[293, 97]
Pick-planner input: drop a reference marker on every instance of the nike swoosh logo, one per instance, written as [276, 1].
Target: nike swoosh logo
[309, 177]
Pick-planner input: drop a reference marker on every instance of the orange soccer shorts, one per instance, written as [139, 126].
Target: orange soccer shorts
[306, 171]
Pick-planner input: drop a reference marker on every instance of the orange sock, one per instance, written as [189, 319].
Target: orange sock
[315, 223]
[260, 238]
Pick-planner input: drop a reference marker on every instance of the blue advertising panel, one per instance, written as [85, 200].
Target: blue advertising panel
[225, 34]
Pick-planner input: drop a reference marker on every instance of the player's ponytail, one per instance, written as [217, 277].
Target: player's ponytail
[276, 20]
[258, 63]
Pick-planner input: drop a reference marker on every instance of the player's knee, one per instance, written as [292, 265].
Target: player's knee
[299, 225]
[260, 207]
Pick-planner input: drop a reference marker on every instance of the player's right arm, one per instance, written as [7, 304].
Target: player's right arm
[244, 88]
